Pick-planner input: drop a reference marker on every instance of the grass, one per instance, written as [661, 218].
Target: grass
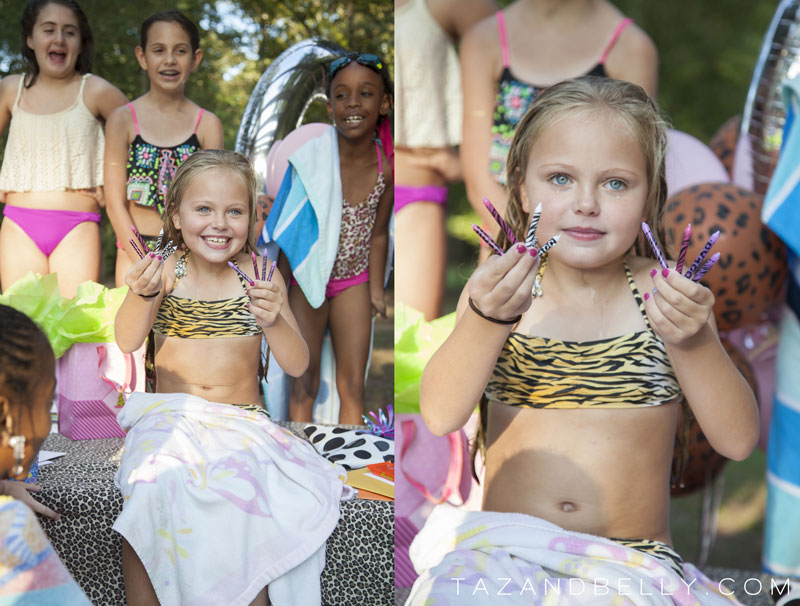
[741, 517]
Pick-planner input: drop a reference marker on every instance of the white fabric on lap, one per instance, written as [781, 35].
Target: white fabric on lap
[484, 557]
[220, 502]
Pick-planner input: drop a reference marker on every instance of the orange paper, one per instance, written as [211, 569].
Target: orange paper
[364, 479]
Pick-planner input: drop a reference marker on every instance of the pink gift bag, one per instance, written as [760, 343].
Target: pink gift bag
[93, 380]
[428, 471]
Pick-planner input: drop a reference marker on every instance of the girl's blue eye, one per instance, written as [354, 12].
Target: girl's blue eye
[236, 212]
[560, 179]
[616, 184]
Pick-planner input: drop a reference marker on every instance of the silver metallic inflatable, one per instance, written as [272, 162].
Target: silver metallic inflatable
[764, 114]
[280, 99]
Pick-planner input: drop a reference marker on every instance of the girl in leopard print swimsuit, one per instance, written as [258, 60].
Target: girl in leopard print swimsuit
[360, 97]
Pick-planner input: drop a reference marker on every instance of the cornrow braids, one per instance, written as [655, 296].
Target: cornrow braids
[22, 344]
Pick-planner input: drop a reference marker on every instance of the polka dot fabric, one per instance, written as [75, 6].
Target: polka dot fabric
[351, 448]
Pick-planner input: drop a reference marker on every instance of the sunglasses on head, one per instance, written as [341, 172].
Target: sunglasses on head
[367, 60]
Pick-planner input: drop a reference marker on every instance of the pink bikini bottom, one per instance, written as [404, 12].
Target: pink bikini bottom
[336, 287]
[406, 194]
[47, 227]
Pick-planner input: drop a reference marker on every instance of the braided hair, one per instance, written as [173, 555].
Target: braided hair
[22, 347]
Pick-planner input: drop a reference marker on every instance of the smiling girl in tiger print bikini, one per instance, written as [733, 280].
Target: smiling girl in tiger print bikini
[240, 475]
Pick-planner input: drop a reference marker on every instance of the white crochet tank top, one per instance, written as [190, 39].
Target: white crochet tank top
[53, 152]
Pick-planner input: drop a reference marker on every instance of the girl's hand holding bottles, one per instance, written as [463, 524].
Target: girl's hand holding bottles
[679, 309]
[266, 301]
[501, 287]
[145, 277]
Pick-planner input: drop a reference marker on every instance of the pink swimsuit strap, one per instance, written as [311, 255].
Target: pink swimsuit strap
[199, 117]
[614, 37]
[380, 161]
[136, 121]
[501, 29]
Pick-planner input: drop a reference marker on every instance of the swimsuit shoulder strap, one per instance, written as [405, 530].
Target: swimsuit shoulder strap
[380, 161]
[135, 120]
[501, 29]
[636, 295]
[199, 117]
[84, 78]
[19, 90]
[614, 37]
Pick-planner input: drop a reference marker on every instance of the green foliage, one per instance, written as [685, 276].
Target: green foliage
[708, 51]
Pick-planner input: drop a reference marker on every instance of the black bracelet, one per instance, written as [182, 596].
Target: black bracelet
[155, 294]
[474, 308]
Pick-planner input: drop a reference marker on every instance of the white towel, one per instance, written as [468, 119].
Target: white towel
[220, 502]
[484, 557]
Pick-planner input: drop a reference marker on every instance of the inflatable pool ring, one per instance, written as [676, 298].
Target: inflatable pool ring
[750, 274]
[763, 118]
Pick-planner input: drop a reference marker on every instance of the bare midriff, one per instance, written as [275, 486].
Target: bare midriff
[146, 219]
[220, 369]
[85, 201]
[602, 472]
[414, 173]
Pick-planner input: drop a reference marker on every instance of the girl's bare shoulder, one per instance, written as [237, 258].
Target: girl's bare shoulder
[102, 97]
[210, 131]
[8, 89]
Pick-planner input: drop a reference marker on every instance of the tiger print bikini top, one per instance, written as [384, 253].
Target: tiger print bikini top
[621, 372]
[194, 319]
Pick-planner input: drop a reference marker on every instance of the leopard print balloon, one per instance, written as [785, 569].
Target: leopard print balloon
[723, 143]
[703, 463]
[750, 274]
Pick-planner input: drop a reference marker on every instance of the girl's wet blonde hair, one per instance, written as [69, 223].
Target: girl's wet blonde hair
[195, 165]
[629, 106]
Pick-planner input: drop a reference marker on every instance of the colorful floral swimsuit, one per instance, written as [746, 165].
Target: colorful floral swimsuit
[514, 97]
[151, 168]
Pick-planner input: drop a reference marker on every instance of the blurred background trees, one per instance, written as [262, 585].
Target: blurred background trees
[239, 39]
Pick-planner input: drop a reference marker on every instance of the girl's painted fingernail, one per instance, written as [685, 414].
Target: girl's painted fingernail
[521, 248]
[653, 273]
[533, 252]
[152, 255]
[252, 283]
[160, 258]
[647, 295]
[665, 272]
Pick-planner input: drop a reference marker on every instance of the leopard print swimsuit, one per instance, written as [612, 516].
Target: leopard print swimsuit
[352, 257]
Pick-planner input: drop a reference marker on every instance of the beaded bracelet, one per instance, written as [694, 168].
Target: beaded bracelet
[474, 308]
